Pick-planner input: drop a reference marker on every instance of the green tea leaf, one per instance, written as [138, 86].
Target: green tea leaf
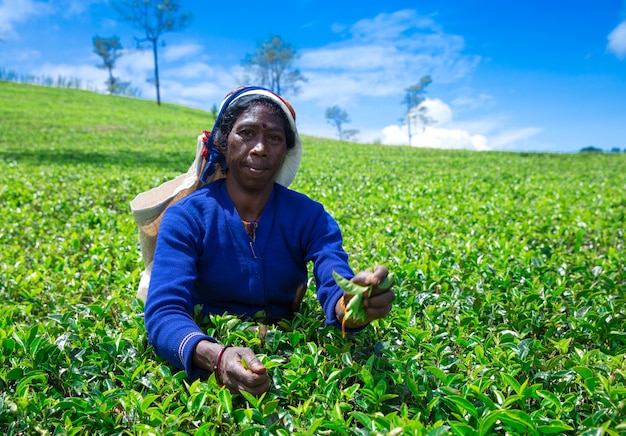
[462, 404]
[354, 308]
[387, 282]
[349, 287]
[554, 427]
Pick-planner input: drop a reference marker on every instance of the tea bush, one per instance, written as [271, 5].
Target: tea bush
[509, 317]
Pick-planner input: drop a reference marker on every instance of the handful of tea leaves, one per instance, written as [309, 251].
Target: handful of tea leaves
[355, 309]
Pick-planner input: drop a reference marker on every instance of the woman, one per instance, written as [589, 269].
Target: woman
[241, 245]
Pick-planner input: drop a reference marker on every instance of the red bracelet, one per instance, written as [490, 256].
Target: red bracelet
[218, 360]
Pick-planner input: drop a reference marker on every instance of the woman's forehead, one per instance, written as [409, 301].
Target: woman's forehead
[261, 114]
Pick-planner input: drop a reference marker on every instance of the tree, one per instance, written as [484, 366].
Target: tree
[154, 17]
[415, 111]
[591, 149]
[108, 50]
[214, 111]
[271, 66]
[338, 117]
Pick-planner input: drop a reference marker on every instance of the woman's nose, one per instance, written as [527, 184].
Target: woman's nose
[259, 145]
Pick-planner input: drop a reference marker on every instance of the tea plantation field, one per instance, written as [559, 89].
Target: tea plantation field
[510, 315]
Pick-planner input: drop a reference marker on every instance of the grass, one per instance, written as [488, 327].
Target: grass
[510, 316]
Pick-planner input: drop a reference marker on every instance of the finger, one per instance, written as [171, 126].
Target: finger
[253, 382]
[366, 278]
[256, 366]
[380, 305]
[380, 300]
[362, 278]
[379, 274]
[256, 390]
[378, 312]
[252, 379]
[245, 379]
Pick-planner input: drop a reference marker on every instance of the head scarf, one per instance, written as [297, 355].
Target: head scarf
[214, 156]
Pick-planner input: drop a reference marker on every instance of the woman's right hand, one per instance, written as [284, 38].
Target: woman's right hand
[236, 375]
[250, 377]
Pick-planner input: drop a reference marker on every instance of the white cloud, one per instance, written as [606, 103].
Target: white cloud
[350, 58]
[617, 41]
[13, 12]
[472, 101]
[190, 71]
[344, 87]
[203, 94]
[483, 126]
[445, 133]
[26, 55]
[16, 11]
[90, 76]
[173, 53]
[440, 134]
[438, 111]
[75, 7]
[384, 55]
[184, 78]
[435, 137]
[136, 61]
[512, 138]
[391, 26]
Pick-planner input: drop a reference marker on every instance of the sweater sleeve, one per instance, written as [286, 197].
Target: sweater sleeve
[168, 311]
[325, 250]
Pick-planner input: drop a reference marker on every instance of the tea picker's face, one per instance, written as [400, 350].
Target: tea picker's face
[256, 148]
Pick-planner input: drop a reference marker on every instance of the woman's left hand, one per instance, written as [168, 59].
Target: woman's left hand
[379, 303]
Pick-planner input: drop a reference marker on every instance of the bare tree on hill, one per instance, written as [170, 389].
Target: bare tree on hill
[338, 117]
[271, 66]
[109, 50]
[154, 17]
[416, 113]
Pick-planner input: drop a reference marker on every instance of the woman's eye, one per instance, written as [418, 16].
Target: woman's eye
[246, 133]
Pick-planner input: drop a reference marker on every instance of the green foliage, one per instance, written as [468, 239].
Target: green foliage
[509, 317]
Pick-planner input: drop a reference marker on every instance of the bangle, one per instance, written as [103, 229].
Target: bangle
[218, 360]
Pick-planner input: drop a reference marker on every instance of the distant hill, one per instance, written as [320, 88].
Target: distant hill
[77, 120]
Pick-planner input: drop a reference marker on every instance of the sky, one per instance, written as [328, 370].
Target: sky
[516, 75]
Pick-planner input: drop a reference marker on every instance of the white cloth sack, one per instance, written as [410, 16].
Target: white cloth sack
[148, 207]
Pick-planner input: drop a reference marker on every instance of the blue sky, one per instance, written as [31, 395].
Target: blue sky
[507, 75]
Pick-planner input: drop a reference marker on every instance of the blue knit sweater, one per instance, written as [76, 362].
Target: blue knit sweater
[205, 257]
